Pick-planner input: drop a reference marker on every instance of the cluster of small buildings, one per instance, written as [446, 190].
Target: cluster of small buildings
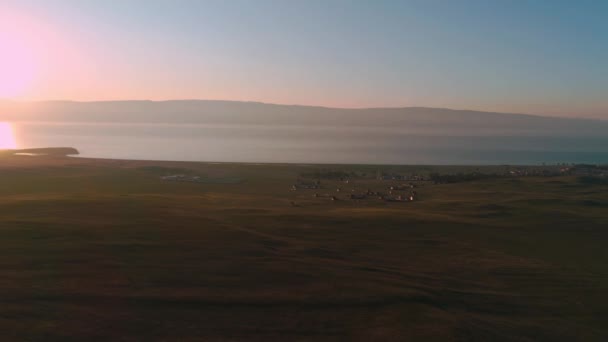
[522, 172]
[369, 194]
[385, 197]
[398, 177]
[306, 185]
[585, 170]
[182, 178]
[572, 170]
[402, 187]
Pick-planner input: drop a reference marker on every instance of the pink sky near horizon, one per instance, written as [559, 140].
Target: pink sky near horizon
[45, 59]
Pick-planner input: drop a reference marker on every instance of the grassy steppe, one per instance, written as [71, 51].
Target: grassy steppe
[102, 249]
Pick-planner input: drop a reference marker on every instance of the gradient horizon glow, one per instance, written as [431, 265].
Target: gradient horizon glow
[7, 138]
[543, 57]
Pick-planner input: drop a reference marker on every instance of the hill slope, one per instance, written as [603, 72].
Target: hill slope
[416, 119]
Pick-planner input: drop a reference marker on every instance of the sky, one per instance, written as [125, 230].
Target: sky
[541, 57]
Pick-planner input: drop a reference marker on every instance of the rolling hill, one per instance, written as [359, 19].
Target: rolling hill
[415, 119]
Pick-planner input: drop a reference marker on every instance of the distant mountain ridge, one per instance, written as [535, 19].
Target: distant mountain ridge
[416, 119]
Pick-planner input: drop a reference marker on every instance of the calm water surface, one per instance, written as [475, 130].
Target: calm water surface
[311, 144]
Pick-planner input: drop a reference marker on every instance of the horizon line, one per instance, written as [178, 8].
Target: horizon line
[303, 105]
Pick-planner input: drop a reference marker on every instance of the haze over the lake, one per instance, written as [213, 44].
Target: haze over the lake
[363, 57]
[256, 132]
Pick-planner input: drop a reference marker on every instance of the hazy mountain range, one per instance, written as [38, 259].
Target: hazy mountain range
[418, 120]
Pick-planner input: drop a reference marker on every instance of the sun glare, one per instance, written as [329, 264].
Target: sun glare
[16, 69]
[7, 138]
[16, 61]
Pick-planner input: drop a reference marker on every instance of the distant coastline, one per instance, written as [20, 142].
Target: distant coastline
[43, 151]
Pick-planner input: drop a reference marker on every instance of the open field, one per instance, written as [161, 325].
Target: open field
[103, 249]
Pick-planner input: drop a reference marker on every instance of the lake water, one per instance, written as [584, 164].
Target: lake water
[310, 144]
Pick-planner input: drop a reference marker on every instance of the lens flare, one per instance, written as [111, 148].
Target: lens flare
[17, 55]
[7, 137]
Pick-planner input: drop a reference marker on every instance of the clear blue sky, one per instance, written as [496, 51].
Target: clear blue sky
[546, 57]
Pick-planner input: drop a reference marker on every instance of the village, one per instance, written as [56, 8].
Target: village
[385, 186]
[182, 178]
[393, 184]
[346, 189]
